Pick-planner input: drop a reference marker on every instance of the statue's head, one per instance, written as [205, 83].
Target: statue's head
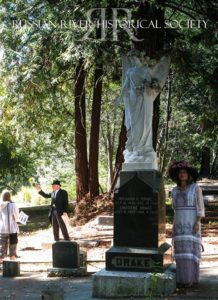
[134, 56]
[134, 53]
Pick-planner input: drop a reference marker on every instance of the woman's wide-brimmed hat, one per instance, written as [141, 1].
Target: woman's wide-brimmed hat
[178, 165]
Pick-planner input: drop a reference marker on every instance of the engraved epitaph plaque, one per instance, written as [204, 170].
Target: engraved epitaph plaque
[136, 210]
[139, 224]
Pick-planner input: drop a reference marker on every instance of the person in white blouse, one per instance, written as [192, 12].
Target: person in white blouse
[9, 216]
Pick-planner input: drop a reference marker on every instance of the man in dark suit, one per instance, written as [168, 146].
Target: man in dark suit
[58, 208]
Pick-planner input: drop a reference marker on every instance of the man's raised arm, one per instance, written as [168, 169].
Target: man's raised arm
[40, 191]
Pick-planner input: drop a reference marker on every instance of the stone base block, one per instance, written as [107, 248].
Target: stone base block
[135, 166]
[11, 268]
[115, 284]
[139, 259]
[66, 272]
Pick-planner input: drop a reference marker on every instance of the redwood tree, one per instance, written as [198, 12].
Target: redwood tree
[81, 160]
[119, 155]
[94, 134]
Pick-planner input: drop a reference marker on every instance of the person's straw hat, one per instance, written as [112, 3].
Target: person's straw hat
[178, 165]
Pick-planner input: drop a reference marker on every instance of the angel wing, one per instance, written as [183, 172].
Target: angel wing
[160, 70]
[126, 64]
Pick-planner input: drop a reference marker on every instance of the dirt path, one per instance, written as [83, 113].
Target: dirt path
[35, 252]
[95, 240]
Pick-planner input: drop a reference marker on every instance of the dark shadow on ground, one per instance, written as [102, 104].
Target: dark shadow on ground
[30, 286]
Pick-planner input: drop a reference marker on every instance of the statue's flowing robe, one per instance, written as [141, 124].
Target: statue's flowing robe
[138, 95]
[138, 101]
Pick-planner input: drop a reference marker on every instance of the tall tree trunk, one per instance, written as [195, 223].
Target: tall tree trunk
[205, 162]
[214, 164]
[119, 154]
[94, 135]
[81, 160]
[109, 145]
[168, 117]
[152, 43]
[155, 121]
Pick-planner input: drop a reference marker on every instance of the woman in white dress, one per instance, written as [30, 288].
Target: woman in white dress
[9, 216]
[188, 207]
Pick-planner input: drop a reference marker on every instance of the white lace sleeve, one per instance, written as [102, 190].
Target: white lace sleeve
[199, 202]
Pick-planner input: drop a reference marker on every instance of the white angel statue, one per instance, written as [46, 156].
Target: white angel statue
[141, 85]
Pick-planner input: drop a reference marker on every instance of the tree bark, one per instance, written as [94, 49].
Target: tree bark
[205, 162]
[81, 160]
[110, 150]
[168, 117]
[94, 135]
[119, 154]
[214, 164]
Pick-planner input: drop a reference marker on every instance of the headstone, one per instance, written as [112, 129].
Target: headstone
[139, 224]
[65, 255]
[11, 268]
[138, 221]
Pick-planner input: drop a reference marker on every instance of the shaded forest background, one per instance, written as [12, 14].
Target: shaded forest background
[58, 94]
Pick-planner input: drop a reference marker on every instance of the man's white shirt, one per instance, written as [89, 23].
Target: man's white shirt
[55, 193]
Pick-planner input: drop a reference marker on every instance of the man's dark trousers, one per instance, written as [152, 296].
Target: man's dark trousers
[59, 205]
[58, 222]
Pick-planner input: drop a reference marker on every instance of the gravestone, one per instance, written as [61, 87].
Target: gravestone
[139, 224]
[65, 255]
[139, 260]
[11, 268]
[67, 260]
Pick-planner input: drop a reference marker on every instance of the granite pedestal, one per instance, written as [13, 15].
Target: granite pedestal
[139, 236]
[139, 259]
[117, 284]
[139, 224]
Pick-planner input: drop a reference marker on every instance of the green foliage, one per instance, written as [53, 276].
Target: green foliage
[30, 196]
[38, 79]
[15, 162]
[27, 196]
[194, 86]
